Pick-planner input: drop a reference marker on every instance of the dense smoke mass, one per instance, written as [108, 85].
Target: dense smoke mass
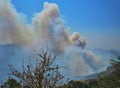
[47, 28]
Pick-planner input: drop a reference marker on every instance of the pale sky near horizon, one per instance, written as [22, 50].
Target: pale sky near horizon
[97, 20]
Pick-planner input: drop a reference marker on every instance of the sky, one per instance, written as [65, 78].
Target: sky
[97, 20]
[74, 28]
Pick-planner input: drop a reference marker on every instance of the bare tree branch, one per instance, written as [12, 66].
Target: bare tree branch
[43, 75]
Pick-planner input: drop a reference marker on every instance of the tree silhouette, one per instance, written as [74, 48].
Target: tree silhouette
[44, 74]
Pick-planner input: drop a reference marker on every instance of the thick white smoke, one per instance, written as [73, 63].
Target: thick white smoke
[83, 62]
[47, 28]
[12, 28]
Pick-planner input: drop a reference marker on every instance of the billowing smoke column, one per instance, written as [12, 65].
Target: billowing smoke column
[47, 28]
[12, 28]
[78, 40]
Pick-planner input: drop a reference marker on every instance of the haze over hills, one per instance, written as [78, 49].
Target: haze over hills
[11, 54]
[14, 54]
[106, 72]
[91, 24]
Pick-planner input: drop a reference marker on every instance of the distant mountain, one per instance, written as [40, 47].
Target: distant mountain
[109, 52]
[14, 54]
[107, 72]
[102, 54]
[106, 52]
[92, 81]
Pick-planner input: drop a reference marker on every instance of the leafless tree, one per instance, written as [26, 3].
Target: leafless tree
[44, 74]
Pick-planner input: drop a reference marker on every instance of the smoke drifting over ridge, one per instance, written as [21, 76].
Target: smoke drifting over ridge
[47, 28]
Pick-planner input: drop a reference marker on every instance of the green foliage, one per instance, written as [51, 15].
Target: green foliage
[81, 84]
[11, 83]
[111, 80]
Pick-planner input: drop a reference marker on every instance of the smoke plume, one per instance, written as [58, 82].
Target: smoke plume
[47, 28]
[12, 28]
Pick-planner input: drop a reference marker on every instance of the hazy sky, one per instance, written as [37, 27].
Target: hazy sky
[97, 20]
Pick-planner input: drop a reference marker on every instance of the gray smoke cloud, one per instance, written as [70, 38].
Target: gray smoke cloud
[47, 28]
[12, 28]
[84, 62]
[49, 25]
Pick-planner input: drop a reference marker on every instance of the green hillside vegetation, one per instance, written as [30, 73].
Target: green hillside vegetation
[112, 80]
